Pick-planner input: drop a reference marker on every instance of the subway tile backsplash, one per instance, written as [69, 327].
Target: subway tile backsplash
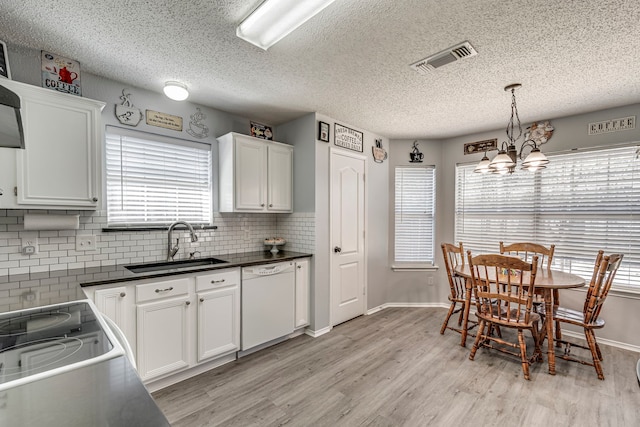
[236, 233]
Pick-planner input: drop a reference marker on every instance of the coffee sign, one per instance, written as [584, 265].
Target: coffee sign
[348, 138]
[61, 74]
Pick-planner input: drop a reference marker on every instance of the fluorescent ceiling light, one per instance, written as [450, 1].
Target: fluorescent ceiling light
[176, 91]
[274, 19]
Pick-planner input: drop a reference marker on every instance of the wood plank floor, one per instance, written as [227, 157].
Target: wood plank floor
[393, 368]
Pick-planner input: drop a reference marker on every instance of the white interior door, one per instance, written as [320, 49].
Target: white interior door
[347, 187]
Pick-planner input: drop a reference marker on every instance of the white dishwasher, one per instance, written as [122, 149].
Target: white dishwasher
[268, 293]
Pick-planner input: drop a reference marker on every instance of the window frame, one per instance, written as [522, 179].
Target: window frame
[415, 265]
[205, 146]
[590, 211]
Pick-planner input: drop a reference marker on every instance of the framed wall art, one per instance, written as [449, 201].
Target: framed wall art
[323, 131]
[348, 138]
[4, 61]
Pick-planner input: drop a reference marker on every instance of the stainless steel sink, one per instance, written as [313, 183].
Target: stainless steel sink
[173, 265]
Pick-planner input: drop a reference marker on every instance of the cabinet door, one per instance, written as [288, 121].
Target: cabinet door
[302, 293]
[58, 166]
[218, 322]
[163, 337]
[118, 305]
[280, 178]
[250, 175]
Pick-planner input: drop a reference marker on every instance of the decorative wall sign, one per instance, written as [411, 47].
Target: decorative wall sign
[539, 133]
[164, 120]
[613, 125]
[323, 131]
[261, 131]
[4, 61]
[60, 73]
[379, 153]
[127, 113]
[415, 155]
[348, 138]
[198, 129]
[480, 146]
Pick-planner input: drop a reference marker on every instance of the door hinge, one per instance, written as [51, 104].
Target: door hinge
[15, 191]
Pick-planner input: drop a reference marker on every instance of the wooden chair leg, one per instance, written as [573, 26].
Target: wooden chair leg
[446, 320]
[523, 354]
[591, 340]
[461, 316]
[479, 337]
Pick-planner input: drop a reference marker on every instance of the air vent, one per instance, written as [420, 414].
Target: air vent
[447, 56]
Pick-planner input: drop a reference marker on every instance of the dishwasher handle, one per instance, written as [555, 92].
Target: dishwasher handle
[268, 270]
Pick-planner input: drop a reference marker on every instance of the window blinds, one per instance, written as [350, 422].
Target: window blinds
[582, 202]
[414, 214]
[154, 180]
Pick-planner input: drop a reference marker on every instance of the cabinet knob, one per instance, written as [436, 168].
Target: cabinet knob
[270, 205]
[337, 249]
[122, 294]
[95, 199]
[262, 205]
[201, 299]
[299, 266]
[188, 302]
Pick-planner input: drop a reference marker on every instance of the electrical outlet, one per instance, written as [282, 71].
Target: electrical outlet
[29, 243]
[86, 242]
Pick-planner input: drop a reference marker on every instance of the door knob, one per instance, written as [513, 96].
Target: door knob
[337, 249]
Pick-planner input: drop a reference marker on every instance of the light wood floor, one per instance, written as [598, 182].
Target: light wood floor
[393, 368]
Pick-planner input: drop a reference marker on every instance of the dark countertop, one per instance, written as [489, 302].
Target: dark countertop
[60, 286]
[107, 393]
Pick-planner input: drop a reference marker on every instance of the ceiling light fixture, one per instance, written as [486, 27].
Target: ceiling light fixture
[176, 91]
[507, 158]
[274, 19]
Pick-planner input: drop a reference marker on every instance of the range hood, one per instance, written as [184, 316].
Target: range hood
[11, 133]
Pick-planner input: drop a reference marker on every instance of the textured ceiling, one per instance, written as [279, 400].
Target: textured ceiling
[351, 62]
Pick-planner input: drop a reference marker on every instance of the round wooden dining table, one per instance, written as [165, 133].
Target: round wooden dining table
[546, 280]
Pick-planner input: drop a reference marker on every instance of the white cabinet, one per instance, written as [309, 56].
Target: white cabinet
[302, 293]
[255, 175]
[163, 326]
[118, 303]
[218, 314]
[59, 167]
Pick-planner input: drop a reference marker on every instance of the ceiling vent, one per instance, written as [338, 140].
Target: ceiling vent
[447, 56]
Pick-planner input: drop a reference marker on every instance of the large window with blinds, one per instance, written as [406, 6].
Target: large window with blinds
[154, 180]
[414, 214]
[582, 202]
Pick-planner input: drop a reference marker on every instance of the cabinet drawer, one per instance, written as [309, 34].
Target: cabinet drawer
[164, 289]
[218, 280]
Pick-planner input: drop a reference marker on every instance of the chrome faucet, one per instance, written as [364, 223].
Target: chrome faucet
[173, 250]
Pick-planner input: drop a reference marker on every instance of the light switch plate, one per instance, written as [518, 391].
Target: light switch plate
[86, 242]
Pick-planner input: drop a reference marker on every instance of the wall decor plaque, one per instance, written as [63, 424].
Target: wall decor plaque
[348, 138]
[4, 61]
[480, 146]
[261, 131]
[127, 113]
[164, 120]
[60, 73]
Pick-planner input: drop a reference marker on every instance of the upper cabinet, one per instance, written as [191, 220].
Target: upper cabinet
[59, 167]
[255, 174]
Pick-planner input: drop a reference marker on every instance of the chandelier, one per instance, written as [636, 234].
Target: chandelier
[507, 158]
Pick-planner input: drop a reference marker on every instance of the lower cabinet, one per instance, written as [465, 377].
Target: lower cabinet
[302, 293]
[163, 337]
[218, 314]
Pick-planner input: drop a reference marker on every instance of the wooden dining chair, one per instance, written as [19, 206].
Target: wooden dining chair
[526, 251]
[604, 271]
[507, 306]
[454, 257]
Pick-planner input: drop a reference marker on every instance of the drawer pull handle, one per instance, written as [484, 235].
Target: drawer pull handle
[122, 295]
[164, 290]
[217, 281]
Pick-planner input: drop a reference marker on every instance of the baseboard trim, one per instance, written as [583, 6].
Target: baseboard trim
[407, 304]
[319, 332]
[158, 384]
[603, 341]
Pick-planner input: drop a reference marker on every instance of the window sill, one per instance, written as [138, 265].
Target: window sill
[414, 267]
[157, 228]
